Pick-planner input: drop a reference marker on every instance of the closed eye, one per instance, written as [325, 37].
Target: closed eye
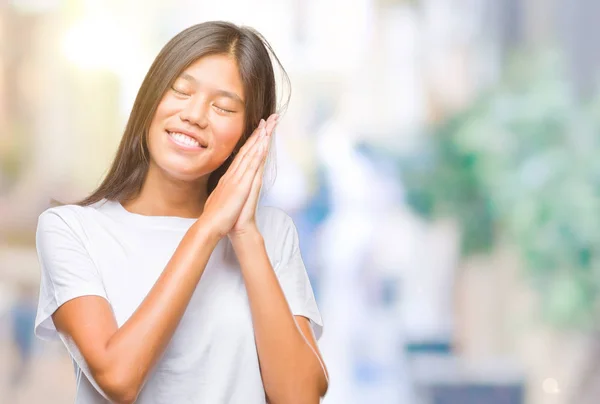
[179, 92]
[227, 111]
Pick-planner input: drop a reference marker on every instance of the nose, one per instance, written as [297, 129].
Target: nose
[195, 112]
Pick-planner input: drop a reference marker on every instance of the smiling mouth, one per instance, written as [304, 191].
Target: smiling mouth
[185, 140]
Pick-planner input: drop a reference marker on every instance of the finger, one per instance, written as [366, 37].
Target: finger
[272, 118]
[265, 128]
[258, 175]
[254, 193]
[250, 143]
[268, 126]
[257, 184]
[257, 149]
[272, 123]
[252, 161]
[253, 137]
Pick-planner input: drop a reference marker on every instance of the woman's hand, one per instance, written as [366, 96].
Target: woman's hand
[225, 203]
[246, 221]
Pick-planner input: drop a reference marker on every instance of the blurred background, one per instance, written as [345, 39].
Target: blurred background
[439, 158]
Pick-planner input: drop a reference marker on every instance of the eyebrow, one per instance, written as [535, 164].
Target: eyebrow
[222, 93]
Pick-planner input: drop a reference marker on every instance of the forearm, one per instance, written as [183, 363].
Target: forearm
[135, 347]
[290, 369]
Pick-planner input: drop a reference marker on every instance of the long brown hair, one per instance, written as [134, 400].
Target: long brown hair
[253, 55]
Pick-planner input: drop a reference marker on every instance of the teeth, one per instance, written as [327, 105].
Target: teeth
[184, 139]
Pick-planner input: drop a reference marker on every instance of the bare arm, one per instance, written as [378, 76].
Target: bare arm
[291, 366]
[121, 358]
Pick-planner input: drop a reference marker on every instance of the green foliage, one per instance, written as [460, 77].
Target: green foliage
[523, 164]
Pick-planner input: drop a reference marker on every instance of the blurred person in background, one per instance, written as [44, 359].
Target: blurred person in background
[22, 316]
[169, 283]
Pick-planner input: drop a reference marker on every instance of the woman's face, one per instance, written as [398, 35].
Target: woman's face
[199, 120]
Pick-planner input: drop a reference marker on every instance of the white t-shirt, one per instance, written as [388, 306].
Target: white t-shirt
[106, 251]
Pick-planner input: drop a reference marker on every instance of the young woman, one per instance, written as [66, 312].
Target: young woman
[168, 284]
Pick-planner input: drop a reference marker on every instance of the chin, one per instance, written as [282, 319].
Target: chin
[184, 171]
[187, 174]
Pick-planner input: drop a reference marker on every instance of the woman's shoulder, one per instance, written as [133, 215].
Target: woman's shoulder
[273, 219]
[68, 214]
[278, 229]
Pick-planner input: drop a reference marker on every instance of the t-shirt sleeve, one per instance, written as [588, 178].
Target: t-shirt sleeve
[67, 270]
[294, 279]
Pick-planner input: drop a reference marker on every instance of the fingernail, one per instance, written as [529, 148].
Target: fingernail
[262, 124]
[263, 132]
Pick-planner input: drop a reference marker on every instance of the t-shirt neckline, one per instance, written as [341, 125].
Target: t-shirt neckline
[115, 209]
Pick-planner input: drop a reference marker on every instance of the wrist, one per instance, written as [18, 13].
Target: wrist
[249, 237]
[247, 231]
[205, 232]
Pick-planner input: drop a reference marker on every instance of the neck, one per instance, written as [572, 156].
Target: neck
[165, 196]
